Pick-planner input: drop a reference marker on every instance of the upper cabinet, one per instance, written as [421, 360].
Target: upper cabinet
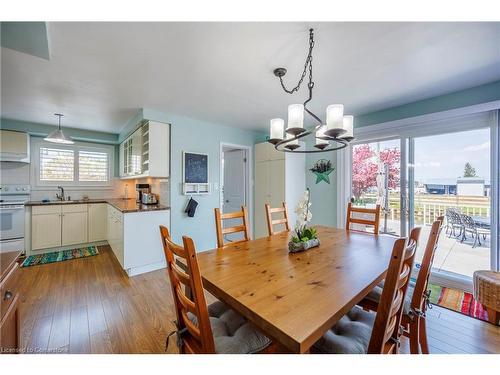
[146, 152]
[14, 146]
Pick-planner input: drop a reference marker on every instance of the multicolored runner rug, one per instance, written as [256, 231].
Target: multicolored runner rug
[59, 256]
[457, 300]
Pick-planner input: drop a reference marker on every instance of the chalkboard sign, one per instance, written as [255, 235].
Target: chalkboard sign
[195, 168]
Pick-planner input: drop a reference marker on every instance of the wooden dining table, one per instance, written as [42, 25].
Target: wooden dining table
[294, 298]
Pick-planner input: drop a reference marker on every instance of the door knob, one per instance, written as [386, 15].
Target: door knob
[227, 200]
[7, 295]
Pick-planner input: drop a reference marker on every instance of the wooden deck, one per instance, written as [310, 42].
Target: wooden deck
[90, 306]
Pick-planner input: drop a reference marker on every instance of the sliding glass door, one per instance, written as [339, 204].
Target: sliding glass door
[376, 179]
[450, 176]
[420, 172]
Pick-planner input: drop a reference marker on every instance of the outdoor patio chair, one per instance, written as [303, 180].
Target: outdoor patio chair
[476, 231]
[454, 222]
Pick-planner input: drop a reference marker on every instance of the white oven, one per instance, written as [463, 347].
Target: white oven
[12, 199]
[12, 221]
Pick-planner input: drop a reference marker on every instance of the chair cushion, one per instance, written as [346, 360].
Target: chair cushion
[351, 334]
[376, 293]
[232, 333]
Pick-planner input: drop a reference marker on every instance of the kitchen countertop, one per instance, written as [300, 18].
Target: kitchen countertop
[121, 204]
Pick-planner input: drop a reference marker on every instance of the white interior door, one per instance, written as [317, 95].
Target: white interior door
[234, 188]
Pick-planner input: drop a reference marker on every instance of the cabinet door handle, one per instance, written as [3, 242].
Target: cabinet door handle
[7, 295]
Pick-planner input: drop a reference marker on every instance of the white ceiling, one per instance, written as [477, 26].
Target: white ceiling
[99, 74]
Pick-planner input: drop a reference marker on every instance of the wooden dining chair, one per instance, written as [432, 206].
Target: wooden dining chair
[201, 328]
[363, 221]
[362, 331]
[282, 221]
[415, 304]
[242, 228]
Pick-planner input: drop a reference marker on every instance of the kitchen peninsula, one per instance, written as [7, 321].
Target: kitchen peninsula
[130, 228]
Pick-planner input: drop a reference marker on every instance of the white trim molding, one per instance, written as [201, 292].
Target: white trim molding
[37, 143]
[495, 191]
[249, 188]
[463, 119]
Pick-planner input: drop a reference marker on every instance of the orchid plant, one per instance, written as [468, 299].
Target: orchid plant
[304, 216]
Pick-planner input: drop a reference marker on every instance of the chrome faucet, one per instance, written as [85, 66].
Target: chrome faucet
[61, 197]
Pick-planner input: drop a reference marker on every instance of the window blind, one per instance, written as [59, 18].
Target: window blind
[92, 166]
[56, 164]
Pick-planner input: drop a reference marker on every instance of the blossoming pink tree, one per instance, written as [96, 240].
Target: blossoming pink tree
[365, 168]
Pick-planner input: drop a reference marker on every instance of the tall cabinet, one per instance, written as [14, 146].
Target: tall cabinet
[279, 177]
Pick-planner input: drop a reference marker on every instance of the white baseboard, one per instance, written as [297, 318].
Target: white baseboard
[146, 268]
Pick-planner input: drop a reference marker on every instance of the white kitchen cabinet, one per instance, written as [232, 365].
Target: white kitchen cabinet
[14, 146]
[45, 227]
[146, 152]
[121, 160]
[279, 177]
[115, 233]
[74, 224]
[97, 222]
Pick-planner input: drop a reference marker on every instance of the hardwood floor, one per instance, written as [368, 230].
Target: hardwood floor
[89, 305]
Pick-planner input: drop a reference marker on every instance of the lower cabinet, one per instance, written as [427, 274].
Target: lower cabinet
[46, 227]
[97, 219]
[67, 224]
[10, 323]
[74, 224]
[115, 233]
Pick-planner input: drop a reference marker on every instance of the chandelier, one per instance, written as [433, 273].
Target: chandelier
[333, 135]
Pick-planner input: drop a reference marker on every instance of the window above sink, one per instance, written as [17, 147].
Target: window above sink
[79, 165]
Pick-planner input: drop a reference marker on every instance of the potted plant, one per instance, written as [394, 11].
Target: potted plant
[305, 237]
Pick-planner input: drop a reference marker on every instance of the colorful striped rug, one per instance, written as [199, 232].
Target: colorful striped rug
[457, 300]
[59, 256]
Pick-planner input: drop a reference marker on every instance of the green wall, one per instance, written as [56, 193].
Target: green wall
[476, 95]
[27, 37]
[42, 130]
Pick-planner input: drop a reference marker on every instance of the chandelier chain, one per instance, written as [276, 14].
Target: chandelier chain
[307, 64]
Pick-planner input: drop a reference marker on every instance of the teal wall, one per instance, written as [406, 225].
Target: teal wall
[323, 195]
[42, 130]
[198, 136]
[476, 95]
[27, 37]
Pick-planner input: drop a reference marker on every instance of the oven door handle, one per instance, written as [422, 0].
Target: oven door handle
[12, 208]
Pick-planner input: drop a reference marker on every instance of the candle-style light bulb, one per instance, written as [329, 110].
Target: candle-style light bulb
[295, 116]
[277, 126]
[334, 116]
[348, 125]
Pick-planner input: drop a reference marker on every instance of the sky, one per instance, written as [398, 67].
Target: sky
[444, 156]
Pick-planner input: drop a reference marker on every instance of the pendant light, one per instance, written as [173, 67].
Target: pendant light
[57, 136]
[335, 133]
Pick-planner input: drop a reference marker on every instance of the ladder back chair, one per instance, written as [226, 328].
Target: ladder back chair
[375, 222]
[233, 334]
[416, 301]
[272, 222]
[196, 338]
[242, 228]
[362, 331]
